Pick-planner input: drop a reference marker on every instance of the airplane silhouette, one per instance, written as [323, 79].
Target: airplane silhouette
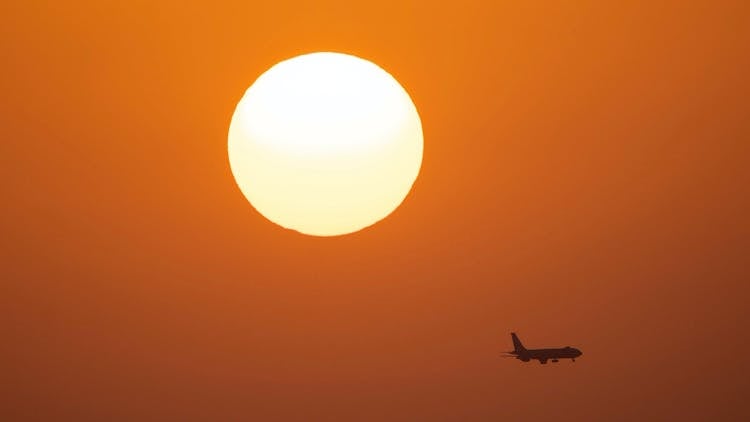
[542, 355]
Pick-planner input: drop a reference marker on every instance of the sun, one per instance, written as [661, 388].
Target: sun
[325, 144]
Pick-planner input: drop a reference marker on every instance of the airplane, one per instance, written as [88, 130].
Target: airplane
[542, 355]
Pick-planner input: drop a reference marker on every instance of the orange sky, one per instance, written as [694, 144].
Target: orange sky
[584, 183]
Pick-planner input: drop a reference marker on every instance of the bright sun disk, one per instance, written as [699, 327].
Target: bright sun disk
[325, 144]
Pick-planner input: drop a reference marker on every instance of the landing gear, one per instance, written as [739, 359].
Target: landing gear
[573, 359]
[555, 360]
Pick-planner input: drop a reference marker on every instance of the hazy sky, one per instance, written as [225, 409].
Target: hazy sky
[584, 183]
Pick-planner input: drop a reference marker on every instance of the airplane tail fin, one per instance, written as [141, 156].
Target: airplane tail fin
[518, 346]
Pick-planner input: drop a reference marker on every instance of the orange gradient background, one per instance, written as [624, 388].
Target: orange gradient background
[584, 183]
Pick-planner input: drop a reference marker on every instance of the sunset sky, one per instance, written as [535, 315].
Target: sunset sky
[585, 182]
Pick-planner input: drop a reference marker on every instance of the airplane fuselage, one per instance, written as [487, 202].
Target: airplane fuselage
[543, 355]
